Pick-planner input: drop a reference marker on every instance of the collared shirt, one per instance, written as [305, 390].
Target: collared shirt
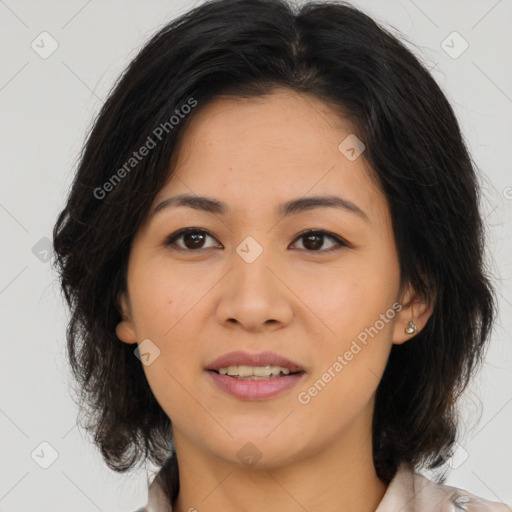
[408, 491]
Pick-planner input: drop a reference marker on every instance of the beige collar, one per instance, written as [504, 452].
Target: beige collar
[407, 492]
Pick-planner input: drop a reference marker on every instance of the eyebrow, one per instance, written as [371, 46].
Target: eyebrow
[210, 205]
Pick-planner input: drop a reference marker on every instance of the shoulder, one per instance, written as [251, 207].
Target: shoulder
[449, 498]
[413, 492]
[157, 499]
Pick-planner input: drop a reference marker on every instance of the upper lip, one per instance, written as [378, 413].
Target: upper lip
[241, 358]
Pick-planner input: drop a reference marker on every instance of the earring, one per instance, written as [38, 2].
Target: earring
[411, 329]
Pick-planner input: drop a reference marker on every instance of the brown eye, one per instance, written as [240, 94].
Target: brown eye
[314, 240]
[193, 239]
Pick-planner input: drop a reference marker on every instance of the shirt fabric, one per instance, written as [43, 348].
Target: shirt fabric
[408, 491]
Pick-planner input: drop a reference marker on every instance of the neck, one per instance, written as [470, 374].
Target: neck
[340, 477]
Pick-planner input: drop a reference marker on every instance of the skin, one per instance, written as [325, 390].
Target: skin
[295, 299]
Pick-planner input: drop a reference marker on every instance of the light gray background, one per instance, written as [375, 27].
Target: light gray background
[46, 107]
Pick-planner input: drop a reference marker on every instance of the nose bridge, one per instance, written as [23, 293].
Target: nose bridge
[251, 263]
[250, 250]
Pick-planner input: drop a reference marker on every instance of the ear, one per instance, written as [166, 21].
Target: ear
[125, 330]
[414, 308]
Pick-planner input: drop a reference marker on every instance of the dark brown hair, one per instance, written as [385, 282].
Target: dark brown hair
[419, 159]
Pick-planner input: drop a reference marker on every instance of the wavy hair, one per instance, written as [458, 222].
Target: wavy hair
[417, 156]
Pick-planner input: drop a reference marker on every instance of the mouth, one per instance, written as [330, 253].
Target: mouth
[254, 376]
[244, 372]
[244, 362]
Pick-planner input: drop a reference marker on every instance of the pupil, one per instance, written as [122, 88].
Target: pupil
[196, 239]
[318, 243]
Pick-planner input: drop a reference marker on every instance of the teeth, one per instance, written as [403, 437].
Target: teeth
[253, 371]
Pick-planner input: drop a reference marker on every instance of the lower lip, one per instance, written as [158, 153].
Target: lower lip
[255, 389]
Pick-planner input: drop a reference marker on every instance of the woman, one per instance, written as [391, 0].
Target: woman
[272, 251]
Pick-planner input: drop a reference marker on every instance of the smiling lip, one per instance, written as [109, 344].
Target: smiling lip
[254, 389]
[241, 358]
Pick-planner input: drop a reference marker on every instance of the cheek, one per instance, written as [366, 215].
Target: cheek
[351, 362]
[350, 296]
[165, 300]
[163, 295]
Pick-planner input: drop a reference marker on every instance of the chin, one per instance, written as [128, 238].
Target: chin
[259, 451]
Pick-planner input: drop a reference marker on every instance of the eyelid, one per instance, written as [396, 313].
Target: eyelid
[170, 240]
[340, 241]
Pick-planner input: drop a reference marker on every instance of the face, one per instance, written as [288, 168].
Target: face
[249, 277]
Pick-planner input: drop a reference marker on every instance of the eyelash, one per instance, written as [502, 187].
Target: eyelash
[170, 241]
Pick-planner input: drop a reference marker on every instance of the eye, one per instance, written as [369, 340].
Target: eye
[193, 238]
[314, 239]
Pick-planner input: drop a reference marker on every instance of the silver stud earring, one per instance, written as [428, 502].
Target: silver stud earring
[411, 329]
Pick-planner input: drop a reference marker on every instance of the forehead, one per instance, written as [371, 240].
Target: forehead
[268, 149]
[284, 119]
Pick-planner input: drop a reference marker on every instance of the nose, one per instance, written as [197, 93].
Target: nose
[254, 294]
